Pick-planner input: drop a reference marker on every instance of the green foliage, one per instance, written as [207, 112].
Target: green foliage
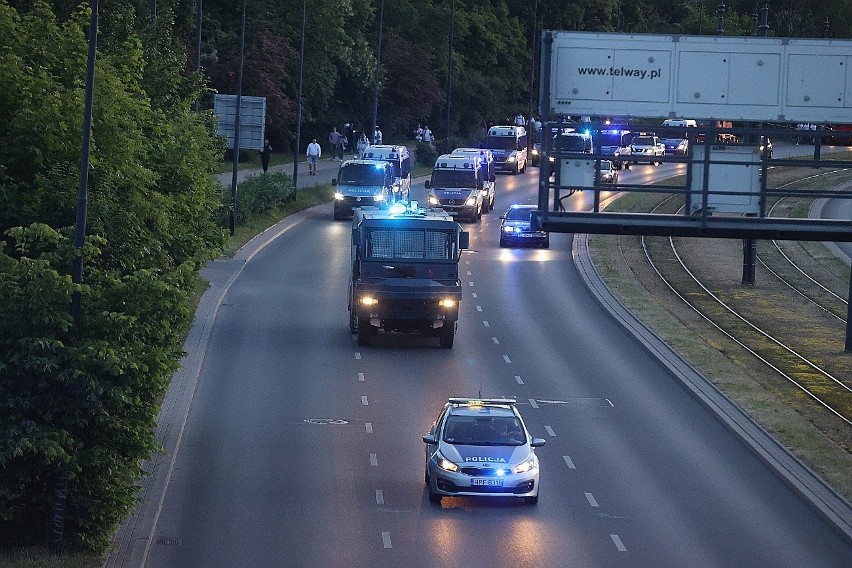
[262, 194]
[425, 155]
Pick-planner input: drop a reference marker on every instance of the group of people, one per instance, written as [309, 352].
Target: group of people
[423, 134]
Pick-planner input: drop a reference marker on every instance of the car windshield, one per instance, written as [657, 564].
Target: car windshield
[643, 141]
[519, 214]
[569, 143]
[453, 178]
[673, 141]
[363, 174]
[606, 165]
[500, 143]
[484, 431]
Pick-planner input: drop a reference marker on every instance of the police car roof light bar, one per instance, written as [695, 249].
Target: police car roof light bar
[474, 401]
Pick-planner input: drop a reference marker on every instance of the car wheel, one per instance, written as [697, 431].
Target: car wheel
[434, 497]
[448, 334]
[337, 216]
[365, 331]
[503, 243]
[426, 477]
[531, 500]
[353, 321]
[546, 243]
[479, 212]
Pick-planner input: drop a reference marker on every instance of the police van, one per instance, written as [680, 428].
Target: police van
[400, 158]
[509, 146]
[488, 176]
[362, 182]
[457, 186]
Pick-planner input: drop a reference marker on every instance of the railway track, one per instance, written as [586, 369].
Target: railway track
[791, 324]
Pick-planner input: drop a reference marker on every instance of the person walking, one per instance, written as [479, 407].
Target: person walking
[265, 154]
[377, 135]
[363, 144]
[341, 147]
[334, 140]
[314, 152]
[427, 135]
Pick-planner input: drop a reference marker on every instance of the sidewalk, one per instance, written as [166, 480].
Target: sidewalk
[326, 169]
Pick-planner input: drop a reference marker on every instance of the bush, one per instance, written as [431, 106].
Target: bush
[262, 194]
[425, 155]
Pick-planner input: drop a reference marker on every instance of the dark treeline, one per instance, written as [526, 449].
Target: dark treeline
[493, 64]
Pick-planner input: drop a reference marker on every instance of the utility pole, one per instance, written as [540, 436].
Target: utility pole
[298, 146]
[450, 72]
[378, 66]
[236, 152]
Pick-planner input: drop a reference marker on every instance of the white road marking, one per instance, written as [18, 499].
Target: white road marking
[386, 539]
[533, 403]
[468, 273]
[590, 498]
[470, 284]
[357, 355]
[518, 378]
[374, 461]
[361, 377]
[495, 340]
[478, 308]
[486, 323]
[610, 402]
[364, 400]
[380, 497]
[506, 359]
[369, 427]
[550, 431]
[618, 544]
[568, 462]
[473, 294]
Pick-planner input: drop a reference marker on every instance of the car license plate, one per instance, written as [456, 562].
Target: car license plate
[487, 481]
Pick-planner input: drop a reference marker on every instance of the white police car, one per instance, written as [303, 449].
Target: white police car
[480, 447]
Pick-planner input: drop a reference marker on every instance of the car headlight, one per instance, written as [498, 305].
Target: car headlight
[379, 197]
[445, 464]
[535, 152]
[368, 301]
[512, 157]
[447, 303]
[616, 154]
[508, 229]
[525, 465]
[433, 200]
[471, 201]
[338, 196]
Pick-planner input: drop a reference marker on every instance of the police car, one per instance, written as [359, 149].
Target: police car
[480, 447]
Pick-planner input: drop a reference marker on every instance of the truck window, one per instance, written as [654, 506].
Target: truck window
[501, 143]
[571, 144]
[643, 141]
[453, 178]
[362, 174]
[426, 244]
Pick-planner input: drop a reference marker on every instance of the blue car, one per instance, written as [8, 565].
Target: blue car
[516, 228]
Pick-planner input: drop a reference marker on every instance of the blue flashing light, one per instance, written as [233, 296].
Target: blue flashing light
[398, 208]
[380, 165]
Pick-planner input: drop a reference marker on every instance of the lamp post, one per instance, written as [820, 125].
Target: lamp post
[299, 103]
[233, 212]
[532, 57]
[378, 66]
[450, 72]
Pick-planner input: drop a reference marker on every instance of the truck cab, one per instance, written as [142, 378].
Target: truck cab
[457, 186]
[362, 182]
[401, 160]
[487, 173]
[405, 275]
[614, 142]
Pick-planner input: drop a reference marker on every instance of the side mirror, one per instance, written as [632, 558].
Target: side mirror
[537, 442]
[333, 181]
[464, 240]
[428, 184]
[430, 439]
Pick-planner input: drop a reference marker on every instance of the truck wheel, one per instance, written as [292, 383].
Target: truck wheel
[353, 322]
[448, 333]
[365, 331]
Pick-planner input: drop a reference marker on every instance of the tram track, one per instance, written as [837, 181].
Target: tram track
[785, 333]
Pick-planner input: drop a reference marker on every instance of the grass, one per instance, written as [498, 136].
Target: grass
[36, 557]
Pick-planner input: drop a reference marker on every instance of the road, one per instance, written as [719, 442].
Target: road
[303, 449]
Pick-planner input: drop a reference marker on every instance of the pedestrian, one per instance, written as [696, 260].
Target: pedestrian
[314, 153]
[334, 140]
[427, 135]
[363, 144]
[265, 154]
[519, 119]
[341, 147]
[418, 134]
[377, 135]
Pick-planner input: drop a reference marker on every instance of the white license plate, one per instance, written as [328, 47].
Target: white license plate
[487, 482]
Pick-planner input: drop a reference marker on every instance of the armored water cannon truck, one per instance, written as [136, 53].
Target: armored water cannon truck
[405, 272]
[457, 186]
[362, 182]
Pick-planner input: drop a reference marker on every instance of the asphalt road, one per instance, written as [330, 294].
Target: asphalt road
[636, 472]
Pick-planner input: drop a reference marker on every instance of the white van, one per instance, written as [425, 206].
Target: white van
[508, 144]
[400, 158]
[687, 122]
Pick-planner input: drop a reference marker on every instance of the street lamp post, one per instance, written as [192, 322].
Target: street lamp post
[378, 66]
[532, 57]
[233, 213]
[299, 103]
[450, 72]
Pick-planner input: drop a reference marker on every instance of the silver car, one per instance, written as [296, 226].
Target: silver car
[480, 447]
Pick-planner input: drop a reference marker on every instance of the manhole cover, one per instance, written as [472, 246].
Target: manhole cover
[325, 421]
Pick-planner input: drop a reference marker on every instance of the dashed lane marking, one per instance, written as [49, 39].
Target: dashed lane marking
[361, 377]
[495, 340]
[486, 324]
[473, 295]
[478, 308]
[618, 544]
[550, 431]
[591, 499]
[386, 540]
[519, 380]
[380, 497]
[368, 426]
[506, 359]
[364, 401]
[357, 355]
[569, 463]
[374, 461]
[533, 403]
